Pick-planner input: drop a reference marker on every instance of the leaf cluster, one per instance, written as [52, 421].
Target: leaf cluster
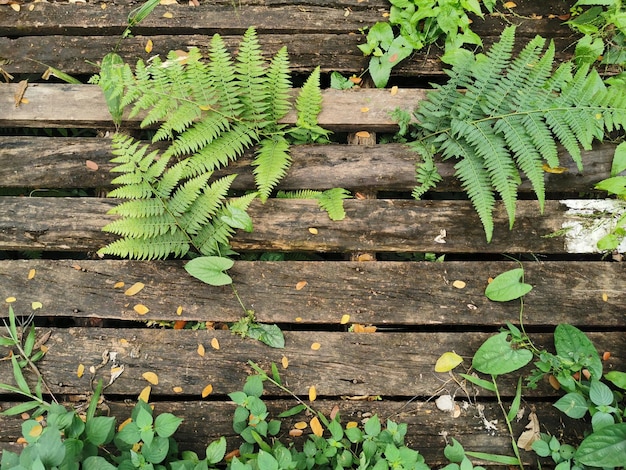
[211, 109]
[509, 121]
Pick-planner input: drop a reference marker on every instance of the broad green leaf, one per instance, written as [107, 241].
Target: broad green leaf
[216, 451]
[508, 286]
[266, 461]
[572, 344]
[111, 82]
[615, 185]
[600, 394]
[487, 385]
[30, 341]
[156, 450]
[97, 463]
[573, 405]
[237, 218]
[268, 334]
[619, 160]
[253, 386]
[604, 448]
[339, 82]
[50, 448]
[496, 356]
[372, 426]
[601, 420]
[454, 452]
[447, 361]
[616, 378]
[166, 424]
[100, 430]
[210, 269]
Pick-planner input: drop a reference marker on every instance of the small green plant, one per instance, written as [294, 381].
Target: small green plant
[420, 23]
[508, 121]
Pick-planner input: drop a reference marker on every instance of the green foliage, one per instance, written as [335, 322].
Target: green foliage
[211, 111]
[330, 200]
[419, 23]
[509, 120]
[248, 327]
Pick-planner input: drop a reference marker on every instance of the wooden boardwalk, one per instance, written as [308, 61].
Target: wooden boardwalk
[418, 312]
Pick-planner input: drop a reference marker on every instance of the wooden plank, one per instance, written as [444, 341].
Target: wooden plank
[384, 225]
[60, 163]
[64, 105]
[398, 364]
[391, 295]
[205, 421]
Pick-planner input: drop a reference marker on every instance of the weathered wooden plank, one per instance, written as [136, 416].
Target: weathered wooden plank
[65, 105]
[387, 294]
[60, 163]
[206, 421]
[398, 364]
[74, 224]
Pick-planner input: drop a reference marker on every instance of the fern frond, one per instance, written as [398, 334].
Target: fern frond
[157, 248]
[331, 201]
[426, 172]
[299, 194]
[250, 73]
[278, 86]
[186, 194]
[270, 164]
[309, 101]
[221, 76]
[146, 228]
[202, 133]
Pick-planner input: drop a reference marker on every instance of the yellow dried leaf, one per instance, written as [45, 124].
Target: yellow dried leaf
[118, 285]
[285, 362]
[177, 389]
[15, 6]
[179, 310]
[135, 288]
[124, 423]
[313, 230]
[24, 101]
[10, 300]
[295, 432]
[300, 425]
[215, 344]
[168, 2]
[206, 391]
[35, 431]
[44, 349]
[448, 361]
[345, 319]
[124, 342]
[351, 424]
[36, 305]
[312, 393]
[149, 46]
[31, 7]
[394, 90]
[363, 134]
[364, 109]
[145, 394]
[355, 80]
[316, 346]
[200, 350]
[103, 6]
[80, 371]
[151, 377]
[557, 170]
[300, 285]
[298, 319]
[459, 284]
[141, 309]
[167, 14]
[605, 296]
[509, 4]
[31, 274]
[316, 426]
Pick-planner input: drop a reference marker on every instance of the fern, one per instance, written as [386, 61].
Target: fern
[211, 111]
[330, 200]
[508, 120]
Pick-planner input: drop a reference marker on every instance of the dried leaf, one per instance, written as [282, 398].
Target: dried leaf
[531, 434]
[295, 432]
[91, 165]
[445, 403]
[145, 394]
[300, 425]
[116, 371]
[10, 300]
[180, 324]
[167, 14]
[355, 80]
[35, 431]
[605, 296]
[206, 391]
[351, 424]
[168, 2]
[313, 230]
[606, 355]
[334, 412]
[358, 328]
[364, 110]
[124, 424]
[459, 284]
[118, 285]
[141, 309]
[312, 393]
[151, 377]
[80, 371]
[285, 362]
[448, 361]
[345, 319]
[177, 389]
[316, 426]
[215, 344]
[31, 274]
[200, 350]
[179, 310]
[557, 170]
[394, 90]
[21, 87]
[554, 382]
[363, 134]
[15, 6]
[36, 305]
[509, 4]
[149, 45]
[300, 285]
[135, 288]
[315, 346]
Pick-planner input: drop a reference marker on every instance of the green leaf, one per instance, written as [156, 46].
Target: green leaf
[615, 185]
[100, 430]
[253, 386]
[276, 374]
[619, 160]
[237, 218]
[96, 462]
[266, 461]
[508, 286]
[166, 424]
[19, 376]
[573, 405]
[454, 452]
[156, 450]
[30, 342]
[516, 401]
[112, 84]
[339, 82]
[604, 448]
[487, 385]
[572, 344]
[497, 356]
[139, 14]
[372, 426]
[600, 394]
[21, 408]
[501, 459]
[216, 451]
[270, 335]
[616, 378]
[210, 269]
[292, 411]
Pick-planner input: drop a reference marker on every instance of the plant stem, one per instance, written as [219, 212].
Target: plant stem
[508, 423]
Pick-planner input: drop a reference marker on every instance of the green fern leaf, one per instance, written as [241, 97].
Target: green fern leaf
[271, 164]
[278, 86]
[250, 72]
[331, 201]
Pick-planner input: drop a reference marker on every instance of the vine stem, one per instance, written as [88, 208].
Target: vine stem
[508, 423]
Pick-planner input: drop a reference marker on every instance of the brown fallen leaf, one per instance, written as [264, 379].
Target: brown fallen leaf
[91, 165]
[531, 434]
[19, 94]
